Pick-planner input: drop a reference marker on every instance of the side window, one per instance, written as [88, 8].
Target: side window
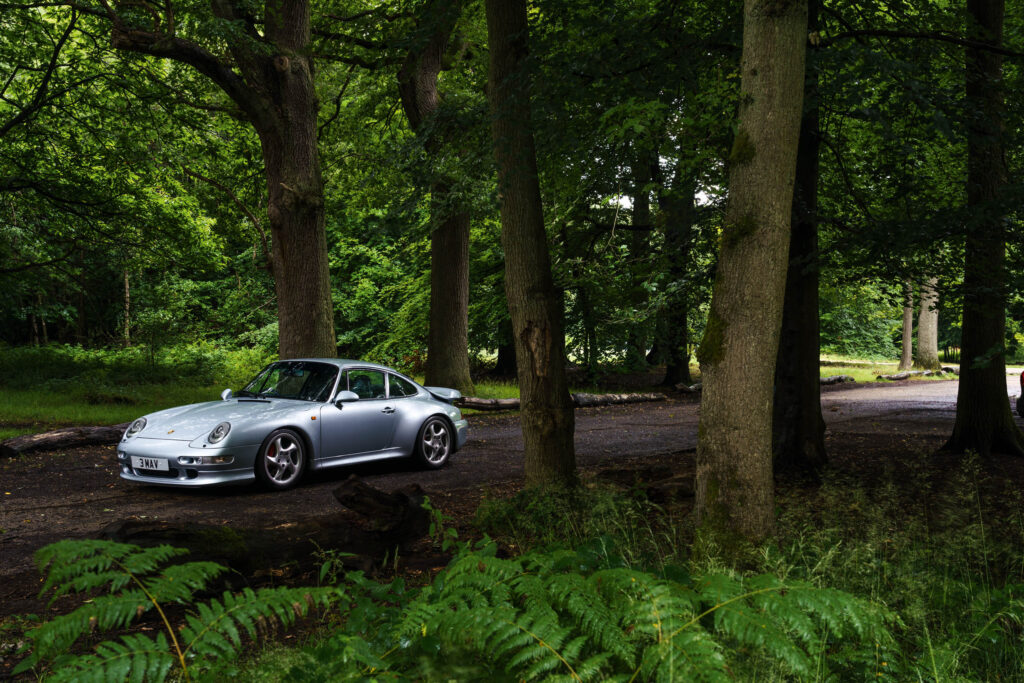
[366, 383]
[400, 387]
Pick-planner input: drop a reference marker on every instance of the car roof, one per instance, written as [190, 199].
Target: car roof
[342, 363]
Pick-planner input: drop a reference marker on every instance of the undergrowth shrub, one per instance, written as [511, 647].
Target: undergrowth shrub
[625, 524]
[126, 582]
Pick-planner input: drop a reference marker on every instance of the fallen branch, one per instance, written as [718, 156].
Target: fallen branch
[836, 379]
[69, 437]
[913, 373]
[579, 400]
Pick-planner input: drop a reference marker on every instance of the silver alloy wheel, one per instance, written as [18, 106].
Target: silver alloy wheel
[435, 443]
[283, 459]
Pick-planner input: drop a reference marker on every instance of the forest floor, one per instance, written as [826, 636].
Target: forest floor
[45, 497]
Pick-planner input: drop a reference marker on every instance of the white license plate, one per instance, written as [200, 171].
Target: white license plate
[149, 463]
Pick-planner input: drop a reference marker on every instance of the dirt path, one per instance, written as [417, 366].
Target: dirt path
[45, 497]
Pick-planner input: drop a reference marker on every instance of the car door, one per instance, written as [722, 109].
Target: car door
[358, 427]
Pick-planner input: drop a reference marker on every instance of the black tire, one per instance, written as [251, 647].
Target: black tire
[1020, 406]
[434, 443]
[281, 460]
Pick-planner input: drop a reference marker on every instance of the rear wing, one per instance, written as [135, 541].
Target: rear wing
[444, 394]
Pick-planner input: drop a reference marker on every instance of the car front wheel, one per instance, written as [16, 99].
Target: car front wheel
[281, 460]
[434, 444]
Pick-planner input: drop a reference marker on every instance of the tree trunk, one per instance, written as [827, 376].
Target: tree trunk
[127, 333]
[270, 78]
[505, 364]
[678, 209]
[737, 355]
[983, 419]
[928, 327]
[797, 425]
[448, 335]
[907, 342]
[547, 413]
[636, 345]
[295, 192]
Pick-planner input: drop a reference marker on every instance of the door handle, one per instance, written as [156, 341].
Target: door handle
[388, 410]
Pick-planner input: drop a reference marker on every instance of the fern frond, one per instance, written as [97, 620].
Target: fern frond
[79, 566]
[216, 628]
[135, 658]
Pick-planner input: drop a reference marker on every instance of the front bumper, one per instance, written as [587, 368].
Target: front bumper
[188, 473]
[461, 433]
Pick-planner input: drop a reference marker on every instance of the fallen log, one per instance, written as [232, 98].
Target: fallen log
[579, 400]
[689, 388]
[913, 373]
[392, 521]
[69, 437]
[836, 379]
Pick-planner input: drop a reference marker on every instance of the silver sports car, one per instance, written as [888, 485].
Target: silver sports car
[294, 416]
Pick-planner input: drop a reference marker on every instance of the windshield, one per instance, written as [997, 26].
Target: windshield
[298, 379]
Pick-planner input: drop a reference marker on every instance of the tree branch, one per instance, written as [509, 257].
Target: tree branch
[918, 35]
[238, 202]
[40, 97]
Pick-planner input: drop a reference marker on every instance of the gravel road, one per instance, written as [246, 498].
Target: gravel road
[47, 496]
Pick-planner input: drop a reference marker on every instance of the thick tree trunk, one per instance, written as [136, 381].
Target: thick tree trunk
[678, 209]
[907, 341]
[448, 335]
[547, 413]
[271, 79]
[735, 490]
[928, 327]
[295, 188]
[798, 427]
[984, 422]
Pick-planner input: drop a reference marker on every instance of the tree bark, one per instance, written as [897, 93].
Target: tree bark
[797, 425]
[534, 305]
[928, 327]
[448, 335]
[274, 88]
[984, 422]
[907, 341]
[737, 355]
[677, 206]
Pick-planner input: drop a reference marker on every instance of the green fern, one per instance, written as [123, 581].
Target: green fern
[136, 581]
[545, 616]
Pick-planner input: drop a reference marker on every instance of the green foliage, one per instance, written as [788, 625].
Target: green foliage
[131, 581]
[558, 616]
[858, 320]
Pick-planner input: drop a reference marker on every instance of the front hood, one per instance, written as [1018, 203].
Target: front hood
[186, 423]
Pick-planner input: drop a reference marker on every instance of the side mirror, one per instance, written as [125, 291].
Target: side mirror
[345, 397]
[226, 394]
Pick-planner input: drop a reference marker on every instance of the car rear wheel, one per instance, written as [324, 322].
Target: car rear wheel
[281, 460]
[434, 444]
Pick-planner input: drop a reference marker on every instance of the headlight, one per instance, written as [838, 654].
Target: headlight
[219, 432]
[136, 427]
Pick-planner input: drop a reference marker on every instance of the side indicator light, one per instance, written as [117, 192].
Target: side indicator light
[312, 417]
